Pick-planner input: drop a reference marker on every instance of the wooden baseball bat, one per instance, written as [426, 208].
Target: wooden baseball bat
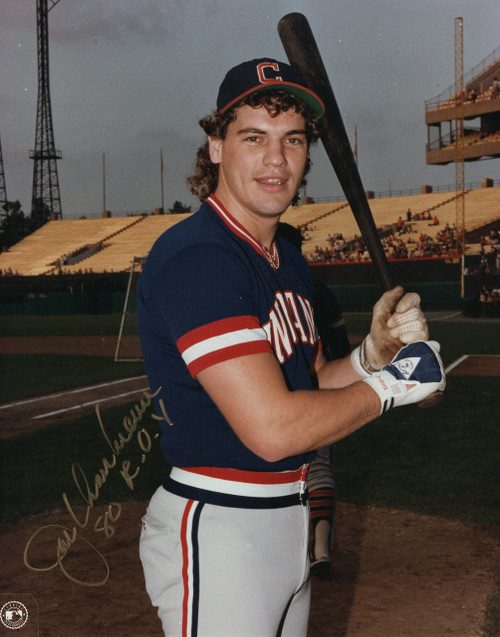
[303, 54]
[302, 51]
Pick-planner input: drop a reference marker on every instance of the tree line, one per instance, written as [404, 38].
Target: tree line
[15, 225]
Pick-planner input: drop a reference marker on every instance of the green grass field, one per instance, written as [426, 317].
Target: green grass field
[441, 461]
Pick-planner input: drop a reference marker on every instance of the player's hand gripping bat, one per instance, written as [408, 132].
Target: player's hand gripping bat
[303, 53]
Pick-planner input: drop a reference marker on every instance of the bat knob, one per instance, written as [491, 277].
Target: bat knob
[432, 400]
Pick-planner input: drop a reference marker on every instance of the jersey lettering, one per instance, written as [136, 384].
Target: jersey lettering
[292, 303]
[280, 337]
[309, 314]
[282, 332]
[286, 311]
[261, 72]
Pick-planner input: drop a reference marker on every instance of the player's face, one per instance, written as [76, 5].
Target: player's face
[261, 163]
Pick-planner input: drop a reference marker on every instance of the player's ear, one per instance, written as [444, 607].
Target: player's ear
[215, 149]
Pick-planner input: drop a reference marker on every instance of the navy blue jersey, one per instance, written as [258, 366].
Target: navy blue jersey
[208, 293]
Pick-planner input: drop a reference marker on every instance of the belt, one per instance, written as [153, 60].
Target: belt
[239, 488]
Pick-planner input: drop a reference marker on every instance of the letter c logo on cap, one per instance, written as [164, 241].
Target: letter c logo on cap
[261, 72]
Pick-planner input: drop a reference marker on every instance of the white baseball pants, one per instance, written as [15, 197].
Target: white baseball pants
[228, 571]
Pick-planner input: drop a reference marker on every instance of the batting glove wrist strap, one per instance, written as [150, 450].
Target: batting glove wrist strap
[414, 373]
[356, 363]
[359, 360]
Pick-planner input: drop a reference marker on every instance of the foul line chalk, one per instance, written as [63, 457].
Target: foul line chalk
[70, 391]
[88, 404]
[455, 363]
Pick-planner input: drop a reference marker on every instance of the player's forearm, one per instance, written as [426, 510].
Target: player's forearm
[273, 421]
[336, 374]
[314, 419]
[414, 375]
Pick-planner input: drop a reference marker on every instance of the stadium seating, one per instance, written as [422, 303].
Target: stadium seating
[109, 244]
[136, 240]
[40, 252]
[481, 206]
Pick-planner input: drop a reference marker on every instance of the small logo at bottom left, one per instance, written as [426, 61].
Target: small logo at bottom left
[14, 615]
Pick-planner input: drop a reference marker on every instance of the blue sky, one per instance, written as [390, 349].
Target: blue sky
[132, 77]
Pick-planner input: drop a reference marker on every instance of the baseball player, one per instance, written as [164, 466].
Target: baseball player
[244, 396]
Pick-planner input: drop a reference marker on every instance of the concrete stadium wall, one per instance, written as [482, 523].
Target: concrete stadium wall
[435, 296]
[355, 286]
[359, 297]
[402, 271]
[62, 303]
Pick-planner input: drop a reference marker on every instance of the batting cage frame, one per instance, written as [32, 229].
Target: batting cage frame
[135, 270]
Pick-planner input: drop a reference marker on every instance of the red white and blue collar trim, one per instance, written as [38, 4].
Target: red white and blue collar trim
[271, 256]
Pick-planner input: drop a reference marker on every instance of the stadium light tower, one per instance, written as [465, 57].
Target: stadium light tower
[45, 179]
[3, 189]
[459, 133]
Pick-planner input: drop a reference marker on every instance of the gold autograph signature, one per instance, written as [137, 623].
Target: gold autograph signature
[105, 523]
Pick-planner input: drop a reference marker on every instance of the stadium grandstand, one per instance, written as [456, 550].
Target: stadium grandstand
[108, 245]
[93, 257]
[481, 112]
[417, 230]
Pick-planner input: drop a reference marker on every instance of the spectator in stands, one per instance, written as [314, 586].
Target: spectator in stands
[408, 215]
[443, 245]
[472, 95]
[496, 88]
[495, 296]
[490, 304]
[435, 221]
[483, 264]
[497, 259]
[487, 301]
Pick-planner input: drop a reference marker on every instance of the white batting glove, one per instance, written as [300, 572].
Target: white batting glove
[415, 373]
[394, 323]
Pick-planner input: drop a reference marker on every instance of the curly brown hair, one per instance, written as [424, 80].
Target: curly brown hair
[203, 181]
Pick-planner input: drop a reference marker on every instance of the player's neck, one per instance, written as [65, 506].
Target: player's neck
[261, 225]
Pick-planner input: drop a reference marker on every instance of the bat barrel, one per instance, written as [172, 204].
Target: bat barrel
[302, 51]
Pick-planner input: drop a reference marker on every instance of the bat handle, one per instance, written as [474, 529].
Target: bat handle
[432, 400]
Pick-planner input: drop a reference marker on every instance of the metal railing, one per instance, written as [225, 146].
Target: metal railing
[383, 194]
[434, 102]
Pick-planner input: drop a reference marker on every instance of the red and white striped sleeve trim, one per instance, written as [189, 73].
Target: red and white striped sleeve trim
[222, 340]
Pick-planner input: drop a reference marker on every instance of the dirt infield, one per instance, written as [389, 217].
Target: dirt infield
[82, 345]
[397, 573]
[106, 346]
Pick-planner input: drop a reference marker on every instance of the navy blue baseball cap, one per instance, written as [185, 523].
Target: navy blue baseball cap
[266, 74]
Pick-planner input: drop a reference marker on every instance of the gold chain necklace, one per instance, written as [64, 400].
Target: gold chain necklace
[273, 257]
